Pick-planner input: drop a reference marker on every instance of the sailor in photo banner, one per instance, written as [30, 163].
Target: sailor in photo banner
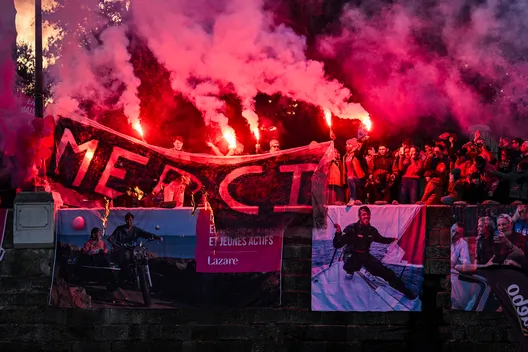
[357, 238]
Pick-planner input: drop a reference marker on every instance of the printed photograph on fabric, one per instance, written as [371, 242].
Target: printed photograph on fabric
[146, 259]
[369, 258]
[484, 236]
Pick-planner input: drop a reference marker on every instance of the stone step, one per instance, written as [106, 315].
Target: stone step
[24, 299]
[24, 283]
[27, 262]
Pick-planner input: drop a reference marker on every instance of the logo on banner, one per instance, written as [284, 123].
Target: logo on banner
[216, 253]
[521, 306]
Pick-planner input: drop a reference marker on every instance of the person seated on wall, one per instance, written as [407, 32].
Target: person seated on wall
[173, 192]
[151, 200]
[181, 191]
[126, 200]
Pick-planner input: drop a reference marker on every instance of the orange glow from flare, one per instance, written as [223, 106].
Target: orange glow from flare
[231, 139]
[368, 124]
[89, 154]
[138, 128]
[256, 132]
[328, 117]
[139, 193]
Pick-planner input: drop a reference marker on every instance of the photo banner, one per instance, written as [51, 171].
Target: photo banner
[179, 278]
[509, 283]
[247, 193]
[484, 236]
[217, 253]
[376, 264]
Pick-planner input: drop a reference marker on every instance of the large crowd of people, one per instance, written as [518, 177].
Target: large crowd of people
[442, 172]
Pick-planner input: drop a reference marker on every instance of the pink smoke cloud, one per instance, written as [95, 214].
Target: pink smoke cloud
[417, 60]
[93, 60]
[209, 45]
[15, 124]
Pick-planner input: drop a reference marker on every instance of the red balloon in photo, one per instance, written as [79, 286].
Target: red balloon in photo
[78, 223]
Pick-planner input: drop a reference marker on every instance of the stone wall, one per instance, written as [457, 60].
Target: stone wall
[26, 323]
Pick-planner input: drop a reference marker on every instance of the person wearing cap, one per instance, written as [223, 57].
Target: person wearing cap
[357, 238]
[178, 144]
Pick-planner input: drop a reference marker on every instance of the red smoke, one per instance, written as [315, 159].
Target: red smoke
[408, 61]
[210, 48]
[416, 60]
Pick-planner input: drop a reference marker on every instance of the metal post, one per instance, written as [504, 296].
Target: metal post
[39, 100]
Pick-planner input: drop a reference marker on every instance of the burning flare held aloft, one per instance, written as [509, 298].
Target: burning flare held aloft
[139, 129]
[139, 193]
[106, 214]
[365, 121]
[328, 118]
[230, 137]
[368, 123]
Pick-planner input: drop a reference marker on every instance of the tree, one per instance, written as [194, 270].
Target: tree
[25, 60]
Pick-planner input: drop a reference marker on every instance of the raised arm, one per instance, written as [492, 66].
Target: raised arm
[215, 149]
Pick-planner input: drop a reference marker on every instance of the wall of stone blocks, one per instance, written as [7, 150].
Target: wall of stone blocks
[26, 323]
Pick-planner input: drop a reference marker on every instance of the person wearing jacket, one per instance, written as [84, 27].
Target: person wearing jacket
[433, 189]
[455, 188]
[354, 168]
[411, 168]
[335, 181]
[357, 238]
[518, 181]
